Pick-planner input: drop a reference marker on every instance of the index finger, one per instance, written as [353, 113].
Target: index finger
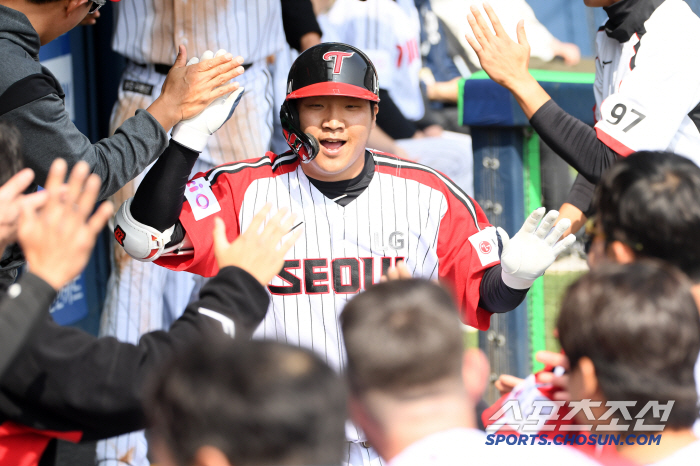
[495, 22]
[227, 59]
[533, 220]
[16, 185]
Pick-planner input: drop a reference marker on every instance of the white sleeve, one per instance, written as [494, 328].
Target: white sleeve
[653, 99]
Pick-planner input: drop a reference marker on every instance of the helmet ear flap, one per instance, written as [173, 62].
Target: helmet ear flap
[303, 144]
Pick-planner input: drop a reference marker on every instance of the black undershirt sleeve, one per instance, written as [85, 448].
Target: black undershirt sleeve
[159, 198]
[573, 140]
[298, 19]
[581, 195]
[391, 120]
[496, 296]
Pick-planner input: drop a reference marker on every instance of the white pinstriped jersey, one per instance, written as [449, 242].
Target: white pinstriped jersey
[408, 211]
[390, 37]
[149, 31]
[647, 89]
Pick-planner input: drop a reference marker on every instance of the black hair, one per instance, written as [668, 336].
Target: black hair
[651, 202]
[259, 402]
[639, 325]
[401, 335]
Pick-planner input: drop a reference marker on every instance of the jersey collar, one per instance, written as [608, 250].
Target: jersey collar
[628, 17]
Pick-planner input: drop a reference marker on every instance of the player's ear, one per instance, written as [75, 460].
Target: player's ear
[374, 107]
[475, 373]
[589, 380]
[621, 253]
[72, 5]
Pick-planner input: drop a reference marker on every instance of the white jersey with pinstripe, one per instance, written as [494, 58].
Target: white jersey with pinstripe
[408, 211]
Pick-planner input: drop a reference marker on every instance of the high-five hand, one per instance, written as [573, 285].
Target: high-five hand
[533, 249]
[57, 239]
[257, 252]
[504, 60]
[188, 90]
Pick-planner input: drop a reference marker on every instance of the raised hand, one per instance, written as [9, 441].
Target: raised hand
[504, 60]
[534, 248]
[257, 252]
[194, 132]
[188, 90]
[57, 239]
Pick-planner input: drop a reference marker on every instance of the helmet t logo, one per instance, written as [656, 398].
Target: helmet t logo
[337, 58]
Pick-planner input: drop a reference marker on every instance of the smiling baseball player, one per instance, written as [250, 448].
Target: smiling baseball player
[361, 212]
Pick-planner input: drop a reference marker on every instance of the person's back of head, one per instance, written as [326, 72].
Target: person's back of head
[409, 375]
[254, 403]
[650, 201]
[10, 151]
[637, 329]
[402, 336]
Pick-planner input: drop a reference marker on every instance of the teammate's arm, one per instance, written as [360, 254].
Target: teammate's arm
[506, 62]
[300, 26]
[67, 379]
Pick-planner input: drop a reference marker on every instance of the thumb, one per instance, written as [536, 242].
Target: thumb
[505, 239]
[220, 240]
[181, 59]
[522, 37]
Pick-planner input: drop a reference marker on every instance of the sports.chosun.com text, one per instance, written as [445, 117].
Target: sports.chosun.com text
[573, 439]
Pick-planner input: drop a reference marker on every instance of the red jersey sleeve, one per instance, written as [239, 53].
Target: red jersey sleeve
[467, 246]
[207, 197]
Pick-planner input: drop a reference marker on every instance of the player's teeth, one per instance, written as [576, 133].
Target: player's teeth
[332, 145]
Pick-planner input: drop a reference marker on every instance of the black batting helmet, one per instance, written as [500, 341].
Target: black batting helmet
[333, 69]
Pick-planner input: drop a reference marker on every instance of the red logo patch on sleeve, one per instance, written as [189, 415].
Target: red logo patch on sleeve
[119, 235]
[485, 247]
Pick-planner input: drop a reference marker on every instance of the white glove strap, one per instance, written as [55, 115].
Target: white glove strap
[190, 137]
[515, 282]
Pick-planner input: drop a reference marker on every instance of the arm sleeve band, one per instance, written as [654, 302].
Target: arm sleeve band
[158, 200]
[573, 140]
[495, 295]
[391, 120]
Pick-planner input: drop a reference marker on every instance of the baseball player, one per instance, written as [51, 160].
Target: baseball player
[361, 211]
[647, 89]
[390, 34]
[141, 297]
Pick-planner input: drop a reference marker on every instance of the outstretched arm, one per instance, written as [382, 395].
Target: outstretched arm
[506, 62]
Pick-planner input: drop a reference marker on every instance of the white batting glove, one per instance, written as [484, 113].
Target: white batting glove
[194, 132]
[533, 249]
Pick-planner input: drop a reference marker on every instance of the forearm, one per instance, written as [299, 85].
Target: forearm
[495, 295]
[47, 132]
[573, 140]
[300, 26]
[69, 380]
[21, 314]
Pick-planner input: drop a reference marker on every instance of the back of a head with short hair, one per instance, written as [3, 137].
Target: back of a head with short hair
[10, 151]
[259, 402]
[639, 325]
[400, 336]
[651, 202]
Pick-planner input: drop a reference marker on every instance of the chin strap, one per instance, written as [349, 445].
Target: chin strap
[303, 144]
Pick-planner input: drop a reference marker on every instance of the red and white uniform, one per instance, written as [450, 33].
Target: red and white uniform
[647, 89]
[408, 211]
